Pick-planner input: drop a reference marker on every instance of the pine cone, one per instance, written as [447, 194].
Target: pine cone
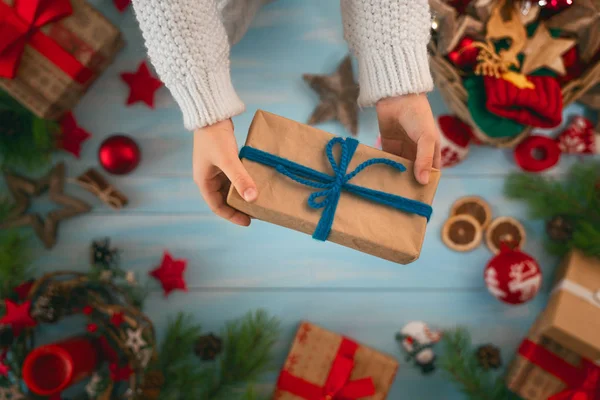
[559, 229]
[489, 357]
[208, 347]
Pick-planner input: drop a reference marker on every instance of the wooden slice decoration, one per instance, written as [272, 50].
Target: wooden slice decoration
[474, 206]
[505, 230]
[462, 233]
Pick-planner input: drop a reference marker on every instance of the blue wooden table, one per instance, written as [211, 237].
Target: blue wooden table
[232, 270]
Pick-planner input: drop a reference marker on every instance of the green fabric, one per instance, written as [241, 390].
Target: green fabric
[490, 124]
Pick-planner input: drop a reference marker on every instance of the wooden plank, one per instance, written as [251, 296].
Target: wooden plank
[372, 318]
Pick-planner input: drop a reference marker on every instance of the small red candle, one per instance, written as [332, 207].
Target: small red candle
[50, 369]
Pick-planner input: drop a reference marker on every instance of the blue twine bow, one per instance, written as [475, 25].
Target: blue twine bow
[332, 186]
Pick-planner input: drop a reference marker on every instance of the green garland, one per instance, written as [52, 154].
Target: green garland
[247, 354]
[577, 199]
[26, 141]
[460, 362]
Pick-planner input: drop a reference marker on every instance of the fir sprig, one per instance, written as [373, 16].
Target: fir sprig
[577, 199]
[460, 362]
[14, 262]
[26, 141]
[247, 354]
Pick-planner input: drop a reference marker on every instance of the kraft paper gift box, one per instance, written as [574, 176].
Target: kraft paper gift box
[368, 226]
[325, 365]
[52, 51]
[561, 355]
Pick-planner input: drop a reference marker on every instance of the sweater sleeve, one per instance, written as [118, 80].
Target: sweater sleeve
[188, 45]
[389, 38]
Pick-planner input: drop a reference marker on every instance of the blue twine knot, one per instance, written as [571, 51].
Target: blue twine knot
[331, 187]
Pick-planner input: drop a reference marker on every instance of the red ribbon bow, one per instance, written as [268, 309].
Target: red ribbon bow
[583, 383]
[20, 26]
[338, 385]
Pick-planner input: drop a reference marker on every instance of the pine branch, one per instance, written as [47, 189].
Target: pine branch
[577, 199]
[460, 362]
[14, 262]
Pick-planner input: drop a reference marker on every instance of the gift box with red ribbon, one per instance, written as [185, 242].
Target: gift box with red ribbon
[51, 51]
[560, 359]
[325, 365]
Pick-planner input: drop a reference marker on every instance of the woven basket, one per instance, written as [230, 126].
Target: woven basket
[448, 80]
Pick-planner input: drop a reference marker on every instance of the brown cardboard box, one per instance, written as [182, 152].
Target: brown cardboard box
[568, 328]
[43, 87]
[313, 353]
[359, 223]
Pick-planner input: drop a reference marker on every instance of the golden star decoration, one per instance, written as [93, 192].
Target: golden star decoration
[24, 189]
[542, 50]
[583, 18]
[338, 95]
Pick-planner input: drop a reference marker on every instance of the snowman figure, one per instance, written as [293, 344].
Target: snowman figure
[417, 340]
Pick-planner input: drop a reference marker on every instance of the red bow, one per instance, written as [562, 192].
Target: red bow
[583, 383]
[20, 26]
[338, 385]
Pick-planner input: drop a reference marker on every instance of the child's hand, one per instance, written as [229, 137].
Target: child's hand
[217, 166]
[408, 130]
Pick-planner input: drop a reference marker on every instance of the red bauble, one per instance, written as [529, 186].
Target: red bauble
[464, 56]
[513, 276]
[552, 7]
[119, 155]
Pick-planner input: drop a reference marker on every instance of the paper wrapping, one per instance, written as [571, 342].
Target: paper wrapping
[360, 224]
[43, 87]
[532, 382]
[312, 354]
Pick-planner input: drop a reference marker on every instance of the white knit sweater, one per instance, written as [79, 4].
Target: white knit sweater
[188, 43]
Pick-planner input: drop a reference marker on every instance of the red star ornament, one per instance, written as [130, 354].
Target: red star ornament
[122, 5]
[142, 85]
[72, 135]
[18, 316]
[170, 274]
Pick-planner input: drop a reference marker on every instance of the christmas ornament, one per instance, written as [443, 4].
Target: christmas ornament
[77, 358]
[72, 135]
[554, 6]
[18, 316]
[464, 56]
[119, 154]
[338, 94]
[489, 357]
[117, 318]
[23, 189]
[583, 18]
[573, 65]
[579, 138]
[134, 340]
[142, 85]
[559, 229]
[122, 5]
[208, 347]
[119, 374]
[170, 274]
[93, 386]
[474, 206]
[537, 153]
[513, 276]
[103, 255]
[490, 124]
[92, 328]
[505, 231]
[94, 182]
[462, 233]
[10, 393]
[455, 136]
[418, 340]
[542, 50]
[87, 310]
[539, 106]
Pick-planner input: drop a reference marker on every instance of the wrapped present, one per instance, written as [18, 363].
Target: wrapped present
[358, 196]
[560, 357]
[52, 51]
[325, 365]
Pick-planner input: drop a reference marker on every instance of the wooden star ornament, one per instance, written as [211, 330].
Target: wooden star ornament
[542, 50]
[338, 95]
[24, 189]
